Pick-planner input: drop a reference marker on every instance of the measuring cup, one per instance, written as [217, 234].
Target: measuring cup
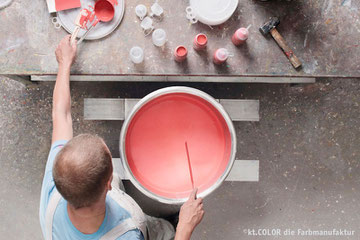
[104, 10]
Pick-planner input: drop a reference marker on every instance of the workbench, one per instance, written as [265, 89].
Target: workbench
[324, 34]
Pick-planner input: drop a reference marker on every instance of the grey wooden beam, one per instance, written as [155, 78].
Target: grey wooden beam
[118, 109]
[242, 170]
[104, 109]
[242, 110]
[173, 78]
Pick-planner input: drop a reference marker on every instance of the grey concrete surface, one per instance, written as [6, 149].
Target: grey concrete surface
[307, 142]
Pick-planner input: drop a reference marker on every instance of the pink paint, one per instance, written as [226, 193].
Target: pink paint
[240, 36]
[154, 145]
[200, 41]
[104, 10]
[61, 5]
[180, 53]
[220, 56]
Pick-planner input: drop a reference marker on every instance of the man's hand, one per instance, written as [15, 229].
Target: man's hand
[66, 52]
[191, 214]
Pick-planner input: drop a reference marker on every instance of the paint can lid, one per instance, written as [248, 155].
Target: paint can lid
[213, 12]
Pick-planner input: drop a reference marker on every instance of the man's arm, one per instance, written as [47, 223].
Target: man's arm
[61, 112]
[191, 214]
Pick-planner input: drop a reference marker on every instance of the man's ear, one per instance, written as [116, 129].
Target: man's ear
[109, 187]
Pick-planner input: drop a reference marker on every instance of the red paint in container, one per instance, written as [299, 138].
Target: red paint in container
[180, 53]
[240, 36]
[220, 56]
[154, 145]
[200, 42]
[104, 10]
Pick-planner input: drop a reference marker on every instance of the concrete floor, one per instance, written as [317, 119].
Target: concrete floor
[307, 141]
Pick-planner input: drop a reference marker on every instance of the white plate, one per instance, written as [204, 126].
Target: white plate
[102, 29]
[4, 3]
[213, 12]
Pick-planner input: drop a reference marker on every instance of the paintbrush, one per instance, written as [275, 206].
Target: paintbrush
[189, 163]
[80, 21]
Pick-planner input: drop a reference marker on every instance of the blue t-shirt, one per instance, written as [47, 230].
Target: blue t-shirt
[62, 226]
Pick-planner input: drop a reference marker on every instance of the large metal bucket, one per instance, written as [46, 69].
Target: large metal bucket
[225, 164]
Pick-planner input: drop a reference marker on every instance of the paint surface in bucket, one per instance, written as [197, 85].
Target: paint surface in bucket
[155, 145]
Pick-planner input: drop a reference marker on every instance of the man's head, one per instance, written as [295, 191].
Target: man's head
[83, 170]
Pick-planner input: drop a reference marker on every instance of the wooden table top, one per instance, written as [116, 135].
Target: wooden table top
[324, 34]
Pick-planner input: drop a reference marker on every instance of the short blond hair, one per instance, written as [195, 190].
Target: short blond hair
[82, 169]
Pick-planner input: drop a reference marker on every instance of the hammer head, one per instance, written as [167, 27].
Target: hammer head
[265, 29]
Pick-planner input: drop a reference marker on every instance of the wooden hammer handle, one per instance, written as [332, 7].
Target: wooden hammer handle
[287, 50]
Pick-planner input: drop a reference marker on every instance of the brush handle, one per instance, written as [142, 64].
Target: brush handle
[287, 50]
[74, 35]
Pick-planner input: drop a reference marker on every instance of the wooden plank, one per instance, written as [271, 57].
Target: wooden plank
[242, 171]
[242, 110]
[104, 109]
[173, 78]
[129, 105]
[238, 110]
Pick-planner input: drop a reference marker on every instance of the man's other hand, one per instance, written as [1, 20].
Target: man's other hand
[66, 52]
[191, 213]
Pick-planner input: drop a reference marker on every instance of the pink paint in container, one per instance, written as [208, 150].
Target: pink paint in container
[240, 36]
[180, 53]
[220, 56]
[200, 42]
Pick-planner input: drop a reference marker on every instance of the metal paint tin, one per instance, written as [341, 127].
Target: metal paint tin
[142, 105]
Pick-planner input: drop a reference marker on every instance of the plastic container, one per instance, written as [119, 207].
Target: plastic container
[220, 56]
[240, 36]
[180, 53]
[159, 37]
[200, 42]
[136, 55]
[141, 11]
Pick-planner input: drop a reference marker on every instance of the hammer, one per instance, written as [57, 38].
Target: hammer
[270, 26]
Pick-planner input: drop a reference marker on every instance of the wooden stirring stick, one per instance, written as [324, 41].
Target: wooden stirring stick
[190, 170]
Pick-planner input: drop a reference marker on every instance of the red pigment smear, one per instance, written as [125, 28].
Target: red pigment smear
[154, 145]
[202, 39]
[181, 51]
[61, 5]
[104, 10]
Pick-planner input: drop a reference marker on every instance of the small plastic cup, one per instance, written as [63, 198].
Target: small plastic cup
[141, 11]
[240, 36]
[220, 56]
[147, 25]
[136, 55]
[156, 10]
[180, 53]
[200, 42]
[159, 37]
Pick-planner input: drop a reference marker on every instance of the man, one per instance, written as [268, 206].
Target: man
[80, 196]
